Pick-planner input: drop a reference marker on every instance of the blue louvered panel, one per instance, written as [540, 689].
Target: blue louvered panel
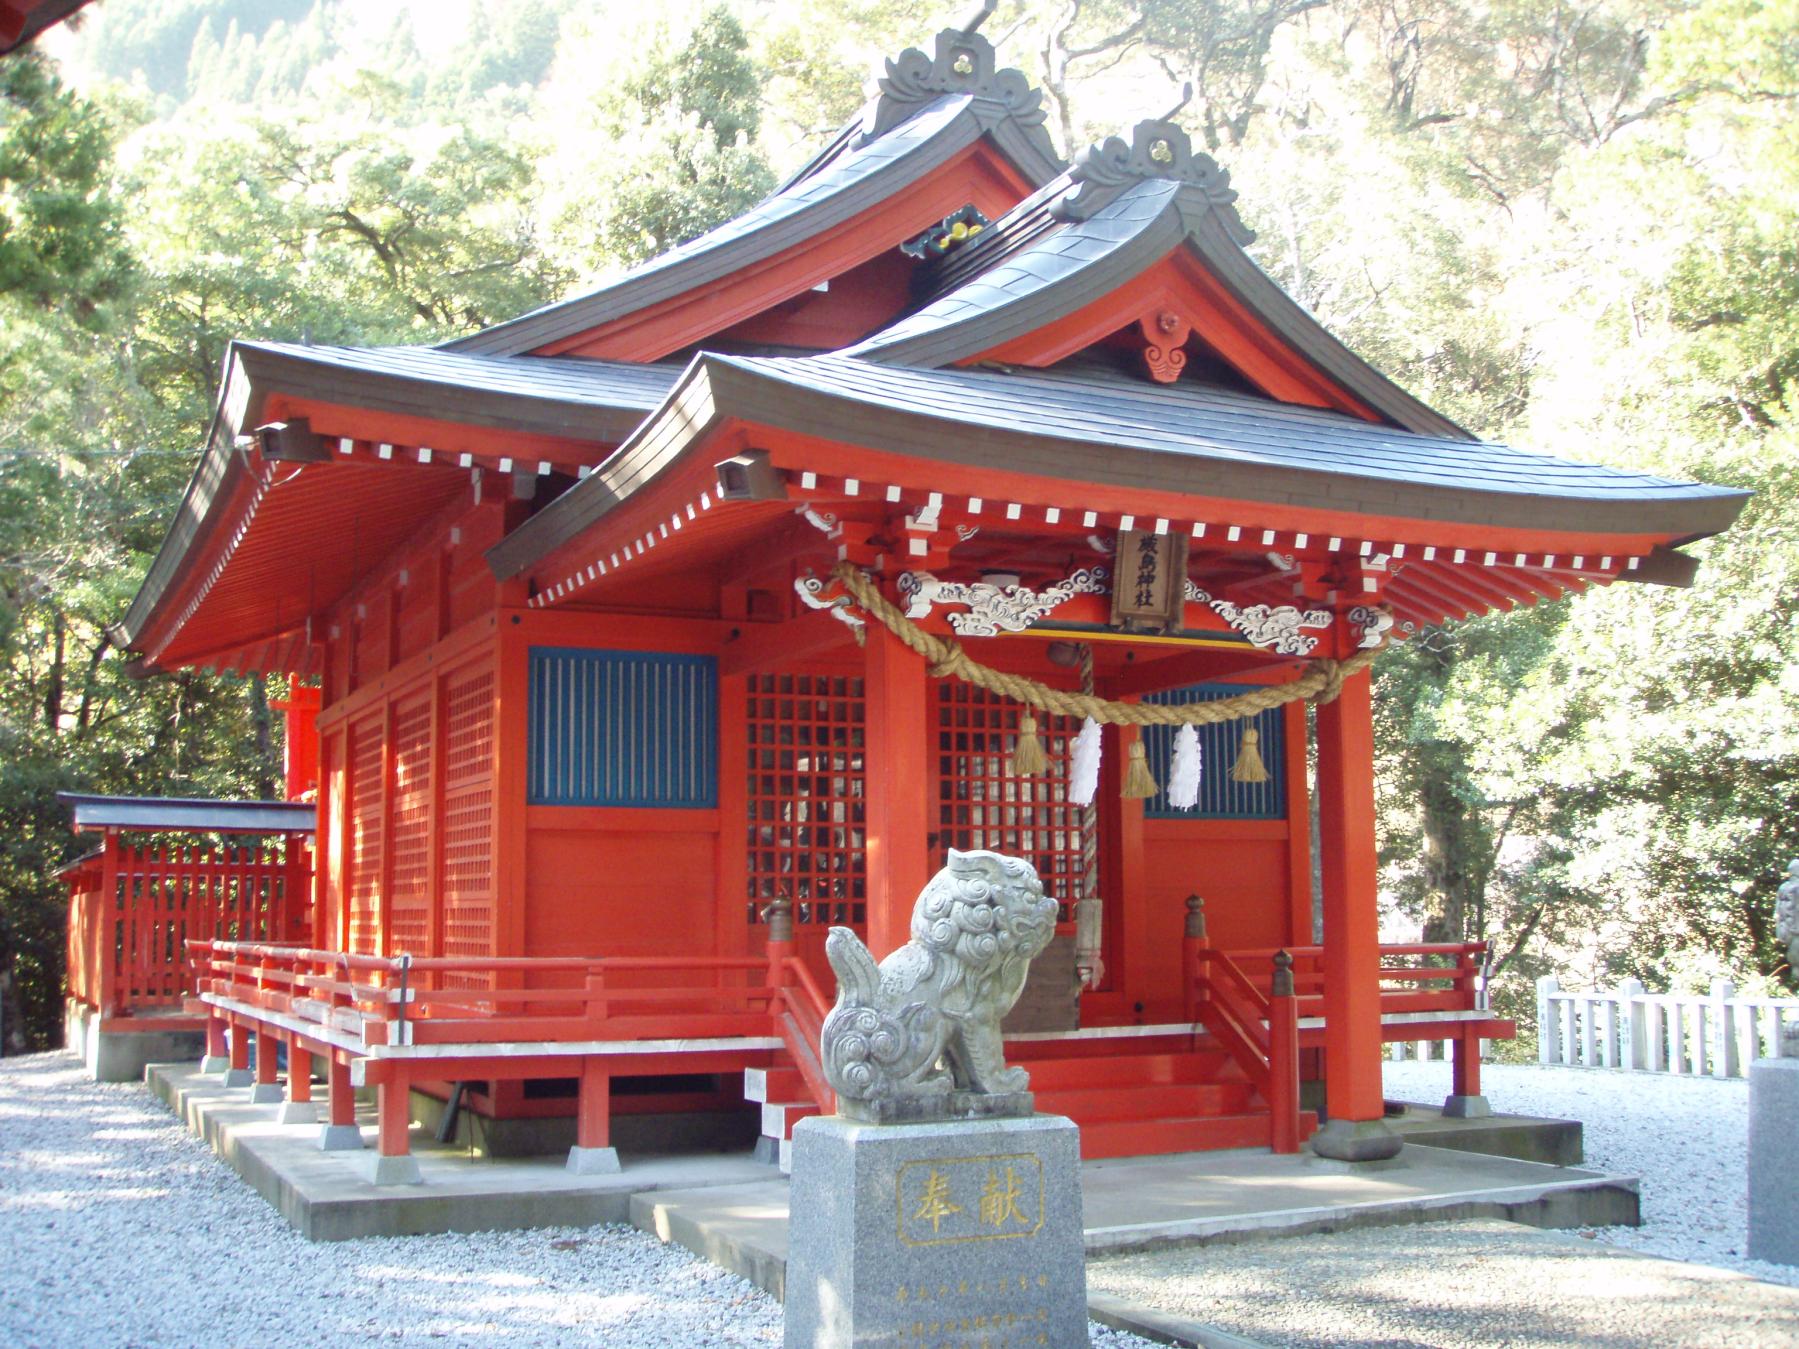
[1219, 797]
[623, 728]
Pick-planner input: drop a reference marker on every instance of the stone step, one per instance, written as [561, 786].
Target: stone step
[762, 1085]
[779, 1117]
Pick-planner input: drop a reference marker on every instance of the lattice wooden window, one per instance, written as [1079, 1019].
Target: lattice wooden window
[1219, 797]
[409, 867]
[468, 889]
[366, 840]
[981, 803]
[806, 797]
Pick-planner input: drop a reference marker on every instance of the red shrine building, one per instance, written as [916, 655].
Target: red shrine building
[661, 629]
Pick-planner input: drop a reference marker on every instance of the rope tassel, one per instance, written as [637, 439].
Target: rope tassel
[1185, 770]
[1083, 770]
[1027, 755]
[1249, 766]
[1139, 782]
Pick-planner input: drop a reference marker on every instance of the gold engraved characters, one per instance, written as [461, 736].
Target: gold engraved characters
[935, 1206]
[970, 1199]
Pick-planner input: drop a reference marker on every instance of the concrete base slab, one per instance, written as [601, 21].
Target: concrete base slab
[297, 1112]
[1141, 1203]
[1558, 1142]
[214, 1063]
[266, 1093]
[324, 1197]
[593, 1161]
[238, 1077]
[379, 1170]
[1361, 1140]
[1466, 1107]
[340, 1138]
[112, 1051]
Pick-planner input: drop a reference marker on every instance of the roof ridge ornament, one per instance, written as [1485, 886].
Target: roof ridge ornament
[965, 63]
[1158, 149]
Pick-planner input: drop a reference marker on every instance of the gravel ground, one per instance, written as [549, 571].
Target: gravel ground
[1461, 1285]
[1687, 1138]
[117, 1227]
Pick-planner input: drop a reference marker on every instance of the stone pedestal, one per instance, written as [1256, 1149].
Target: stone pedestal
[965, 1233]
[1467, 1107]
[1774, 1160]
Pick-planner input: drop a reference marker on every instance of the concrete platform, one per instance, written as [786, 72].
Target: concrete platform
[1559, 1142]
[119, 1049]
[325, 1197]
[1142, 1203]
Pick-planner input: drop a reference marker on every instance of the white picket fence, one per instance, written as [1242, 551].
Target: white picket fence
[1716, 1034]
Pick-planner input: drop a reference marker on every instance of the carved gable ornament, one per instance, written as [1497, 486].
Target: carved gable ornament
[964, 64]
[1157, 150]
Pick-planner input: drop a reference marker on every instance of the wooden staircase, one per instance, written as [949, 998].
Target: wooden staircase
[1127, 1104]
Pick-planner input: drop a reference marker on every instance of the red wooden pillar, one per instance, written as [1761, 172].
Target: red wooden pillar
[237, 1073]
[340, 1132]
[268, 1046]
[1351, 929]
[299, 1074]
[107, 910]
[216, 1050]
[897, 785]
[593, 1153]
[393, 1108]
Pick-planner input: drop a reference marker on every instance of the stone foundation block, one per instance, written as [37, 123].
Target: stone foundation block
[593, 1161]
[266, 1093]
[958, 1233]
[297, 1112]
[340, 1138]
[379, 1170]
[1466, 1107]
[1366, 1140]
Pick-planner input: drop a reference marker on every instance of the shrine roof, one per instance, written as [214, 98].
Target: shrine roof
[1089, 233]
[89, 812]
[1084, 422]
[560, 395]
[864, 166]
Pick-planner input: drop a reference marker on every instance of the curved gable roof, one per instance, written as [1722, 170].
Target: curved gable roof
[1119, 212]
[928, 112]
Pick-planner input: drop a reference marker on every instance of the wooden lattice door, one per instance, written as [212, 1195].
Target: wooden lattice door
[805, 803]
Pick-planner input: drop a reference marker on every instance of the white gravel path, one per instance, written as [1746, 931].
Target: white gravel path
[1687, 1138]
[118, 1228]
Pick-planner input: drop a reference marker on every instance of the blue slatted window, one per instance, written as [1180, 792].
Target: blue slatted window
[623, 728]
[1219, 797]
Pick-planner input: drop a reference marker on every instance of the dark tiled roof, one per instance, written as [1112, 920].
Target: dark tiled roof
[1097, 406]
[851, 182]
[190, 813]
[1085, 423]
[608, 384]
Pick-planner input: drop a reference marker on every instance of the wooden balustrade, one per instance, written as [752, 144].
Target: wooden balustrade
[134, 910]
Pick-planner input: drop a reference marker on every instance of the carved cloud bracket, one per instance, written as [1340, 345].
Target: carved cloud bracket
[994, 609]
[1281, 629]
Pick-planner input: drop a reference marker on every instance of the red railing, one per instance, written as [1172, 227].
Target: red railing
[1409, 983]
[395, 1000]
[1260, 1030]
[133, 911]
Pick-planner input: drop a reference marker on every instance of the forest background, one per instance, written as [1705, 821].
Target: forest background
[1570, 224]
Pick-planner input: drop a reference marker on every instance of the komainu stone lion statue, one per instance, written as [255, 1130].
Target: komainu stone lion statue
[925, 1023]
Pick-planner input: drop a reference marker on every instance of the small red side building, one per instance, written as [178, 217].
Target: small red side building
[606, 744]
